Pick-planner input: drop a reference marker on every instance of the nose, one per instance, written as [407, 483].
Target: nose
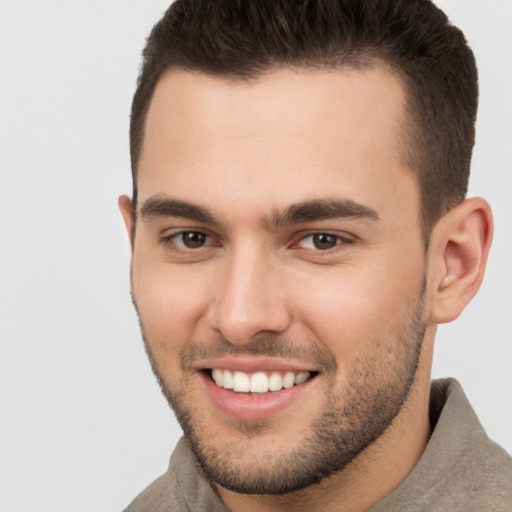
[250, 299]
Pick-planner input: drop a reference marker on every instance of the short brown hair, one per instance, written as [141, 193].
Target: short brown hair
[244, 38]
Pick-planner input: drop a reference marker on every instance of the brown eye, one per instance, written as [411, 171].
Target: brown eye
[321, 241]
[324, 241]
[193, 239]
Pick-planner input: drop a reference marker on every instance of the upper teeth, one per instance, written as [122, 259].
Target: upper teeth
[258, 382]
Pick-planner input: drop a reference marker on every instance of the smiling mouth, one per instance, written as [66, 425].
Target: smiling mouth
[258, 382]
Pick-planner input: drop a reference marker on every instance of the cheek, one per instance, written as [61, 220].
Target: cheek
[170, 302]
[355, 311]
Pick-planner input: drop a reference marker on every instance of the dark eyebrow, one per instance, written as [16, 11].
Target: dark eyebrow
[308, 211]
[167, 207]
[323, 209]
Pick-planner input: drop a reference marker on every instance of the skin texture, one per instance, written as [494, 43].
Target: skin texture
[228, 161]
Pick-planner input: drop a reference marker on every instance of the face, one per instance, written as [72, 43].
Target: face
[278, 268]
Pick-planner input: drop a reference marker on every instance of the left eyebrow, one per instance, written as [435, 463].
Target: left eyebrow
[321, 209]
[167, 207]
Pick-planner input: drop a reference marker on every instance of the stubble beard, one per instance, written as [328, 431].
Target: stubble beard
[351, 418]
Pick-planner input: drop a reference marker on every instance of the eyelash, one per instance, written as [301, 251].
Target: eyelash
[338, 239]
[181, 247]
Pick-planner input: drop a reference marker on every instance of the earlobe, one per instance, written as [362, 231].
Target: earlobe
[460, 245]
[125, 207]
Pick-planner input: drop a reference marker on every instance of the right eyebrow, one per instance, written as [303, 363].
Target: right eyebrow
[158, 206]
[322, 209]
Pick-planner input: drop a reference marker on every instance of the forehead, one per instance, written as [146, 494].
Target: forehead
[289, 135]
[286, 100]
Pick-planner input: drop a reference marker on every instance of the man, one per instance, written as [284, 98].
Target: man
[299, 227]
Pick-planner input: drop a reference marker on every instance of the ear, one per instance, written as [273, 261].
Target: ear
[458, 252]
[125, 206]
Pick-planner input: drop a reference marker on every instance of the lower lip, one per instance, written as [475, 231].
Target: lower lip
[245, 406]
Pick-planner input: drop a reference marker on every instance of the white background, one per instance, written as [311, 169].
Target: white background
[83, 425]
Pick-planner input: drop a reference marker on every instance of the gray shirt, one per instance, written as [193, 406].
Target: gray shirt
[460, 470]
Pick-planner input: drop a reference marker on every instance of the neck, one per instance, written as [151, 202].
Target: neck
[374, 474]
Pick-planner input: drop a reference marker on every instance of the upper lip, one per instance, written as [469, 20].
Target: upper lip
[254, 364]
